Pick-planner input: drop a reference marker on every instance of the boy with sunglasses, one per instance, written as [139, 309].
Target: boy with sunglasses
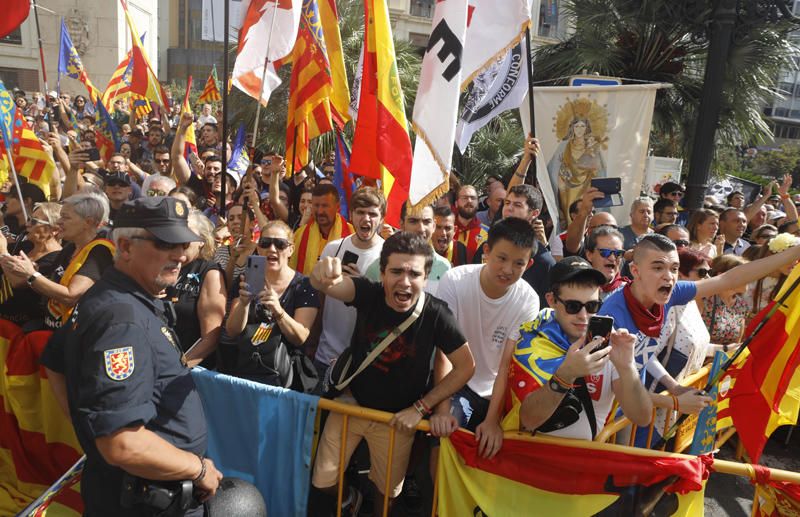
[560, 382]
[604, 252]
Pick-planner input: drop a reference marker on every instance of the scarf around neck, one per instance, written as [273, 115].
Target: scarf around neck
[649, 321]
[615, 284]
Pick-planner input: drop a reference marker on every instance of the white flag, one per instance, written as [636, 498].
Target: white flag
[436, 105]
[499, 88]
[494, 26]
[265, 23]
[588, 132]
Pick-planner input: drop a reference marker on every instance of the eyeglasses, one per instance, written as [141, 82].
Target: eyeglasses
[166, 160]
[605, 252]
[162, 245]
[574, 306]
[702, 272]
[151, 192]
[117, 183]
[676, 193]
[681, 243]
[280, 244]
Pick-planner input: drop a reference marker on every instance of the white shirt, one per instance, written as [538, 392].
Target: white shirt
[202, 120]
[339, 320]
[486, 322]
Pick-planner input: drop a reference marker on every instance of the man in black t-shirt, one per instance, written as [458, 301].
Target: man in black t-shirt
[397, 380]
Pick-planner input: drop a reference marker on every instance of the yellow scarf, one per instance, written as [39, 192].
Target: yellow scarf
[309, 243]
[59, 310]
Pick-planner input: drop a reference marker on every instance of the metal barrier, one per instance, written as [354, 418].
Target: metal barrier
[347, 411]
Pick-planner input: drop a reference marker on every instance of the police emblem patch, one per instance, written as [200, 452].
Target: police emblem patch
[119, 363]
[179, 209]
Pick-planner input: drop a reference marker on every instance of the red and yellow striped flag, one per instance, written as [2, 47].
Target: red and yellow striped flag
[762, 390]
[37, 441]
[143, 80]
[210, 91]
[318, 81]
[549, 478]
[120, 83]
[30, 158]
[381, 145]
[191, 140]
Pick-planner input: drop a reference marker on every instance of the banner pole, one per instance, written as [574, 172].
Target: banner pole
[39, 36]
[16, 184]
[530, 96]
[264, 74]
[224, 150]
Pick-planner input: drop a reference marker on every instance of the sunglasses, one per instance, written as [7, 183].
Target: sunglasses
[280, 244]
[605, 252]
[677, 193]
[162, 245]
[117, 183]
[574, 306]
[702, 272]
[161, 161]
[155, 193]
[681, 243]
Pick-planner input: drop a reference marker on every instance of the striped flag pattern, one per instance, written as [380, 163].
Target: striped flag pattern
[30, 158]
[191, 139]
[210, 91]
[119, 86]
[143, 80]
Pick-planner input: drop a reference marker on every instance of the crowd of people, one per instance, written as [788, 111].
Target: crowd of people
[466, 314]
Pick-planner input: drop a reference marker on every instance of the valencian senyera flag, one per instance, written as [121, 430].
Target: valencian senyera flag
[436, 105]
[256, 33]
[381, 145]
[119, 86]
[588, 132]
[70, 64]
[548, 477]
[318, 92]
[761, 391]
[143, 79]
[210, 91]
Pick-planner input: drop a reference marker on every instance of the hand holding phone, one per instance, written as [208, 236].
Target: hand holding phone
[600, 326]
[610, 187]
[254, 273]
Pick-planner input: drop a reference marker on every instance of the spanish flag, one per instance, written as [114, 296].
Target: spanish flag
[381, 145]
[565, 477]
[309, 243]
[191, 140]
[30, 159]
[761, 391]
[37, 441]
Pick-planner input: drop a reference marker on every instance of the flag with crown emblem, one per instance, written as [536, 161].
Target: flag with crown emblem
[70, 64]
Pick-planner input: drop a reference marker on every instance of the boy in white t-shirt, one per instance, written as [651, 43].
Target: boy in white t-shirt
[490, 301]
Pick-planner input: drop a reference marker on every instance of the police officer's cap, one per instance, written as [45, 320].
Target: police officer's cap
[165, 217]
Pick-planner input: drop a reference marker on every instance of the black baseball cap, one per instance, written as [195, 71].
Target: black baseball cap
[571, 268]
[165, 217]
[671, 186]
[112, 178]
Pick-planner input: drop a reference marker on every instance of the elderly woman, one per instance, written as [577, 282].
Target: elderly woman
[280, 315]
[80, 263]
[156, 185]
[199, 296]
[17, 298]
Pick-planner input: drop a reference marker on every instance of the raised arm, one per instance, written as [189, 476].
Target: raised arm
[529, 152]
[752, 209]
[786, 199]
[179, 166]
[577, 227]
[327, 278]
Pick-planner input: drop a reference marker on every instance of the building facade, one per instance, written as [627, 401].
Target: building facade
[783, 114]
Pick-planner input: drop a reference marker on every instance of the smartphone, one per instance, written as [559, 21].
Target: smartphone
[94, 154]
[600, 326]
[611, 187]
[349, 258]
[254, 273]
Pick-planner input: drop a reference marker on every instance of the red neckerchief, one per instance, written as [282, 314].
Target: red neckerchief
[472, 230]
[649, 321]
[615, 284]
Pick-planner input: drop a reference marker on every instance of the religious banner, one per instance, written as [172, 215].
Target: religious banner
[590, 132]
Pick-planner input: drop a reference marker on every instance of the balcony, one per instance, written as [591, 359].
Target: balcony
[421, 8]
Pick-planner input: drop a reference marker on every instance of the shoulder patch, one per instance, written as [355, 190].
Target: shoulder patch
[119, 363]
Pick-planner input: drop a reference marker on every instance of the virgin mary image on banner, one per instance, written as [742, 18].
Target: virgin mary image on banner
[580, 129]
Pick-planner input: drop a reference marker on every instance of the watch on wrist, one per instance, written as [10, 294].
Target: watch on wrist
[33, 278]
[555, 386]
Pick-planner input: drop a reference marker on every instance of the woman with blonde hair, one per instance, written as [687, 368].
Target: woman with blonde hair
[703, 227]
[199, 296]
[265, 326]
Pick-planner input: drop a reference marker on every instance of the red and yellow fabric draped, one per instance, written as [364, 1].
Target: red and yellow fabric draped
[58, 310]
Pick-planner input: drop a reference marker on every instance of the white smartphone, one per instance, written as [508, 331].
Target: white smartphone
[254, 273]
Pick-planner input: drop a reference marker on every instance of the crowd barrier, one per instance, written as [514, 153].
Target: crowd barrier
[265, 435]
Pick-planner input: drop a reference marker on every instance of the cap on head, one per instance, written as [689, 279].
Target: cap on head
[671, 186]
[165, 217]
[112, 178]
[569, 269]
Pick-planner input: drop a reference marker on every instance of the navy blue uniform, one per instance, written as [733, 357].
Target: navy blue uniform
[123, 368]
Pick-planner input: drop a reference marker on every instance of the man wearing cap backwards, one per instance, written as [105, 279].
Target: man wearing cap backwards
[134, 406]
[560, 383]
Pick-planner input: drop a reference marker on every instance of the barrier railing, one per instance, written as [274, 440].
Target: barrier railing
[347, 411]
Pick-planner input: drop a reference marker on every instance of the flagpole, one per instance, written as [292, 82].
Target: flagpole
[530, 92]
[41, 52]
[264, 74]
[712, 381]
[16, 184]
[224, 185]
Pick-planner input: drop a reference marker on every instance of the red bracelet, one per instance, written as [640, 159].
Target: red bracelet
[425, 406]
[563, 383]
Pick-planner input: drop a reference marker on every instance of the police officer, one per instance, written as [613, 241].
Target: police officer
[132, 400]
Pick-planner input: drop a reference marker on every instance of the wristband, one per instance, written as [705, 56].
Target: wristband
[425, 406]
[563, 383]
[421, 408]
[202, 473]
[784, 196]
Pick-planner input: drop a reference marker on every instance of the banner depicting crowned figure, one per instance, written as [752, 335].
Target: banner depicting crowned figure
[588, 132]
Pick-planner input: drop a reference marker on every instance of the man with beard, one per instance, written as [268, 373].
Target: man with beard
[155, 138]
[327, 225]
[604, 252]
[117, 188]
[644, 308]
[162, 163]
[665, 211]
[132, 400]
[469, 230]
[357, 251]
[443, 237]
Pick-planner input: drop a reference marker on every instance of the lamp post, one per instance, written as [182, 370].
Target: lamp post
[728, 18]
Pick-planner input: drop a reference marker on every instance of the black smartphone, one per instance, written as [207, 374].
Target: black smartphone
[611, 187]
[94, 154]
[349, 258]
[600, 326]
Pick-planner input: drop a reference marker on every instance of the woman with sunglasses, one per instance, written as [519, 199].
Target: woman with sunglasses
[703, 227]
[282, 313]
[43, 234]
[725, 313]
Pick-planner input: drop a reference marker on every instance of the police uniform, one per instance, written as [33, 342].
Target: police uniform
[124, 367]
